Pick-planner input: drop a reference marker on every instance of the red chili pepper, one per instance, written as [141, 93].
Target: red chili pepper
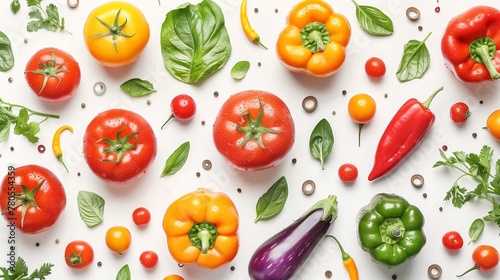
[406, 130]
[471, 44]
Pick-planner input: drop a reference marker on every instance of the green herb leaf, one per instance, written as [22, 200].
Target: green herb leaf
[272, 202]
[20, 271]
[240, 69]
[321, 141]
[137, 87]
[6, 55]
[90, 207]
[124, 273]
[373, 21]
[40, 19]
[22, 127]
[15, 6]
[194, 41]
[476, 229]
[415, 60]
[176, 160]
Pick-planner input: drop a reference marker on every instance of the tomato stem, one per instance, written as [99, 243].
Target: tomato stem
[469, 270]
[120, 145]
[114, 31]
[254, 129]
[25, 199]
[169, 118]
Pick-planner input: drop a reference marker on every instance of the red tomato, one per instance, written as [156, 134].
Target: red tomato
[182, 107]
[254, 130]
[32, 198]
[485, 257]
[348, 172]
[375, 67]
[119, 146]
[141, 216]
[53, 74]
[148, 259]
[452, 241]
[78, 254]
[459, 112]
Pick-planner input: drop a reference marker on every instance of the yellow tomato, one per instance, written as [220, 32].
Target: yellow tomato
[493, 124]
[173, 277]
[118, 239]
[116, 33]
[362, 109]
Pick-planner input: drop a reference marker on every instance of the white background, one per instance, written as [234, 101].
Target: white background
[157, 193]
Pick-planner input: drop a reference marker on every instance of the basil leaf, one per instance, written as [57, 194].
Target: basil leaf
[136, 87]
[6, 55]
[476, 229]
[90, 207]
[240, 69]
[194, 41]
[373, 20]
[176, 160]
[415, 60]
[272, 201]
[321, 141]
[124, 273]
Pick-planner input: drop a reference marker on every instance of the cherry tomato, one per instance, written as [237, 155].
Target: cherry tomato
[118, 239]
[148, 259]
[493, 124]
[348, 172]
[141, 216]
[485, 258]
[254, 130]
[119, 146]
[375, 67]
[78, 254]
[362, 108]
[39, 198]
[116, 33]
[452, 241]
[173, 277]
[182, 107]
[53, 74]
[459, 112]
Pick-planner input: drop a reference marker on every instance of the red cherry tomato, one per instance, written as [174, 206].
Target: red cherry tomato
[182, 107]
[78, 254]
[452, 241]
[348, 173]
[375, 67]
[459, 112]
[485, 258]
[148, 259]
[141, 216]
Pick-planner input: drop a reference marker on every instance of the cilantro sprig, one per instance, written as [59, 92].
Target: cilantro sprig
[20, 271]
[47, 18]
[479, 168]
[21, 121]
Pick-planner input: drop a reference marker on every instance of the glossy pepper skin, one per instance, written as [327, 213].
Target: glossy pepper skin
[314, 39]
[403, 134]
[390, 229]
[471, 45]
[201, 227]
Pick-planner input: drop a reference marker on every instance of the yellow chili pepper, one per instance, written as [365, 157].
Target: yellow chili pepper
[348, 262]
[245, 24]
[56, 143]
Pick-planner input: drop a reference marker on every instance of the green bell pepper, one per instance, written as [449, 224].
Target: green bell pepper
[390, 229]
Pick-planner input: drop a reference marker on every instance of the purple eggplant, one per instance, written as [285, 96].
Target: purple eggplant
[283, 255]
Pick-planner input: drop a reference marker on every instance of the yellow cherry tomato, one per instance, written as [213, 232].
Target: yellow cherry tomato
[116, 33]
[118, 239]
[362, 108]
[493, 124]
[173, 277]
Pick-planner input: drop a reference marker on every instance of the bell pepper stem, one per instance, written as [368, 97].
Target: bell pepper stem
[469, 270]
[483, 51]
[205, 237]
[359, 133]
[427, 102]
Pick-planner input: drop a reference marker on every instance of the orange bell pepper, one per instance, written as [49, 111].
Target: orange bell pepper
[314, 40]
[201, 227]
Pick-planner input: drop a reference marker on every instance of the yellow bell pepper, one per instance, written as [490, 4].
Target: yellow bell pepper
[201, 227]
[314, 40]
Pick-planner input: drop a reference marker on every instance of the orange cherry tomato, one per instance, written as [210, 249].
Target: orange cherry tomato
[118, 239]
[116, 33]
[173, 277]
[493, 124]
[362, 108]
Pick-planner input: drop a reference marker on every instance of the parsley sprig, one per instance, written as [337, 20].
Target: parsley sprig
[47, 18]
[21, 121]
[20, 271]
[479, 168]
